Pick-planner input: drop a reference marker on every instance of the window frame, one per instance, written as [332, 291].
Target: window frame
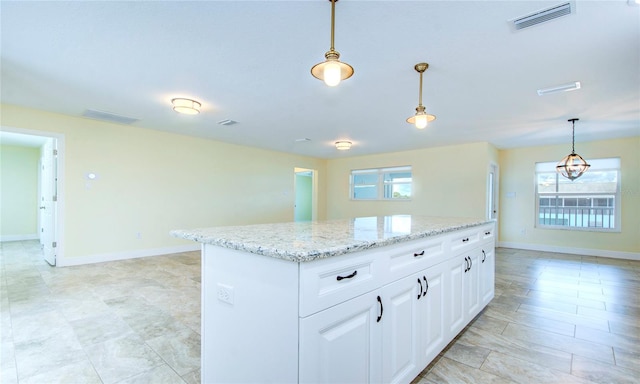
[597, 165]
[381, 184]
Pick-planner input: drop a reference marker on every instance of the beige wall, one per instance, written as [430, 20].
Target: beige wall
[517, 213]
[447, 181]
[18, 192]
[151, 182]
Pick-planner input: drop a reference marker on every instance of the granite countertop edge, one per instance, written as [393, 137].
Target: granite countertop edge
[201, 236]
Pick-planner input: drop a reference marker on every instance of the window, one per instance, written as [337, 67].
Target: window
[381, 184]
[591, 202]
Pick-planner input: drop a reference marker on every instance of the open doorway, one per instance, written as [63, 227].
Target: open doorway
[305, 205]
[492, 192]
[48, 205]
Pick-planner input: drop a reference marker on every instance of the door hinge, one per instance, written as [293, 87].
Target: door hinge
[55, 152]
[55, 198]
[54, 244]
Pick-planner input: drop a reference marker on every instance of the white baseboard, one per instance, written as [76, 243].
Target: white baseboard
[101, 258]
[570, 250]
[33, 236]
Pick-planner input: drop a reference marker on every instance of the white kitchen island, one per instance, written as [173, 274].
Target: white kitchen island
[364, 300]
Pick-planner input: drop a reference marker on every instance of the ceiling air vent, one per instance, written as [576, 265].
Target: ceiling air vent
[108, 116]
[542, 16]
[227, 122]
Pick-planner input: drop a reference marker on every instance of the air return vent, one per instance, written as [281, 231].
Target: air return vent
[108, 116]
[542, 16]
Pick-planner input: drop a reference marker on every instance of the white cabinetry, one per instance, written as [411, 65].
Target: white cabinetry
[487, 271]
[472, 284]
[379, 315]
[342, 344]
[431, 316]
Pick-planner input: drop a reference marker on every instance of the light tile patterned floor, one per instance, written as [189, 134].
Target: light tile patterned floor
[556, 318]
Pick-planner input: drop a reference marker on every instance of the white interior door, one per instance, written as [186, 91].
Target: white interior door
[48, 200]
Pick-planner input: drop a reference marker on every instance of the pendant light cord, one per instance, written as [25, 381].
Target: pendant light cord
[333, 22]
[573, 136]
[420, 96]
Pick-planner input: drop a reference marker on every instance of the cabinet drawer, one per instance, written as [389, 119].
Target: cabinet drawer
[487, 233]
[464, 240]
[330, 281]
[407, 258]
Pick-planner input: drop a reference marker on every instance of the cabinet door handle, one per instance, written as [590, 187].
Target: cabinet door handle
[466, 262]
[421, 288]
[418, 254]
[470, 263]
[426, 284]
[348, 276]
[487, 233]
[484, 256]
[381, 309]
[465, 240]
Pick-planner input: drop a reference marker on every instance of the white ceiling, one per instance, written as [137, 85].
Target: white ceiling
[250, 61]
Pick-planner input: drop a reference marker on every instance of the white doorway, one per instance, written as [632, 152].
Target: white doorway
[492, 192]
[50, 183]
[48, 198]
[305, 186]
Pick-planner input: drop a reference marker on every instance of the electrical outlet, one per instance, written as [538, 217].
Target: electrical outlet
[225, 293]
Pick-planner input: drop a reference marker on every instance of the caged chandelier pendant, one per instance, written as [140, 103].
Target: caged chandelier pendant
[332, 70]
[573, 165]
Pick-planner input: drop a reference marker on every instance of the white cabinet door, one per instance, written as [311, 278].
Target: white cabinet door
[472, 284]
[487, 273]
[431, 314]
[454, 285]
[400, 328]
[343, 344]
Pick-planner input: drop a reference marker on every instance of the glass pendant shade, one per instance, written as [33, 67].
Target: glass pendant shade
[332, 70]
[573, 165]
[421, 119]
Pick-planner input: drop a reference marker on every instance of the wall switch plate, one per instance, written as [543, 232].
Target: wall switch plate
[225, 293]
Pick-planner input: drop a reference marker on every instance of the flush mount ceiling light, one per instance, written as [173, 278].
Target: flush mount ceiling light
[186, 106]
[573, 165]
[343, 145]
[332, 70]
[421, 118]
[559, 88]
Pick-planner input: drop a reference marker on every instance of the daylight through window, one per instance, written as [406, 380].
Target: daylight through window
[381, 183]
[591, 202]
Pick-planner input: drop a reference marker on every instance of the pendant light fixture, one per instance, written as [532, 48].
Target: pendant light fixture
[332, 70]
[573, 165]
[421, 118]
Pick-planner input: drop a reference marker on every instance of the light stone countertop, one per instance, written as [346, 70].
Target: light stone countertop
[306, 241]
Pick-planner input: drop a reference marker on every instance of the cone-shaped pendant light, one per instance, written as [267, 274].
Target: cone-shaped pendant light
[332, 70]
[573, 165]
[421, 118]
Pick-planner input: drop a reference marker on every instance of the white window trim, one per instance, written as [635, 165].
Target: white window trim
[380, 182]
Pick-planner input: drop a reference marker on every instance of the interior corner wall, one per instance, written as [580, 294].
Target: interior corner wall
[447, 181]
[517, 216]
[18, 192]
[151, 182]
